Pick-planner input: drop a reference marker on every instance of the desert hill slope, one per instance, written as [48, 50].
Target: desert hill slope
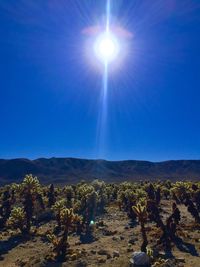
[72, 170]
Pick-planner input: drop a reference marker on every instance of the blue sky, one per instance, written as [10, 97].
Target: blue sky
[50, 94]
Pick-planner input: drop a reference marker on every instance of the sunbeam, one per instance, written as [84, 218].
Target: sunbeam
[109, 43]
[108, 51]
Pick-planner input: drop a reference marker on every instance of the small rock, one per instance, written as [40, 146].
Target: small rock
[78, 243]
[139, 259]
[116, 254]
[93, 251]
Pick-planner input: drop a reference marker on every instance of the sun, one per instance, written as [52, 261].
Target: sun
[106, 47]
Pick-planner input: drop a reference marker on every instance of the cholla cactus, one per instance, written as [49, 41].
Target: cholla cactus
[158, 195]
[150, 191]
[16, 187]
[180, 190]
[140, 193]
[130, 199]
[166, 192]
[69, 192]
[15, 191]
[90, 208]
[176, 213]
[197, 198]
[51, 196]
[17, 219]
[30, 189]
[57, 208]
[141, 213]
[31, 184]
[88, 202]
[192, 209]
[68, 218]
[5, 208]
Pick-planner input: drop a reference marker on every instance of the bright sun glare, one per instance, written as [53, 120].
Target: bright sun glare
[106, 47]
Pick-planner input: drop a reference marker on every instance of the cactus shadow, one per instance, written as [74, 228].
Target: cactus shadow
[186, 247]
[12, 242]
[87, 238]
[168, 253]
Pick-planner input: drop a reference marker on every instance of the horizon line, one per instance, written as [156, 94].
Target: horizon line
[96, 159]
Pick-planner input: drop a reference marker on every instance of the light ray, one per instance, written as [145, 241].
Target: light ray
[108, 16]
[103, 123]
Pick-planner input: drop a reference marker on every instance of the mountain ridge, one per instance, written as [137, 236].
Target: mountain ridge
[72, 170]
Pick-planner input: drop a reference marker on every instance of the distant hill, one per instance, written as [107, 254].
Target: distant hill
[72, 170]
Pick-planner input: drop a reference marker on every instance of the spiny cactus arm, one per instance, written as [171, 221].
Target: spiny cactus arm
[140, 211]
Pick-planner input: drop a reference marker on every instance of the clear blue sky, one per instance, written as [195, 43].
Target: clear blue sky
[50, 94]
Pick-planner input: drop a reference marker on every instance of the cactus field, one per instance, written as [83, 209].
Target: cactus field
[99, 224]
